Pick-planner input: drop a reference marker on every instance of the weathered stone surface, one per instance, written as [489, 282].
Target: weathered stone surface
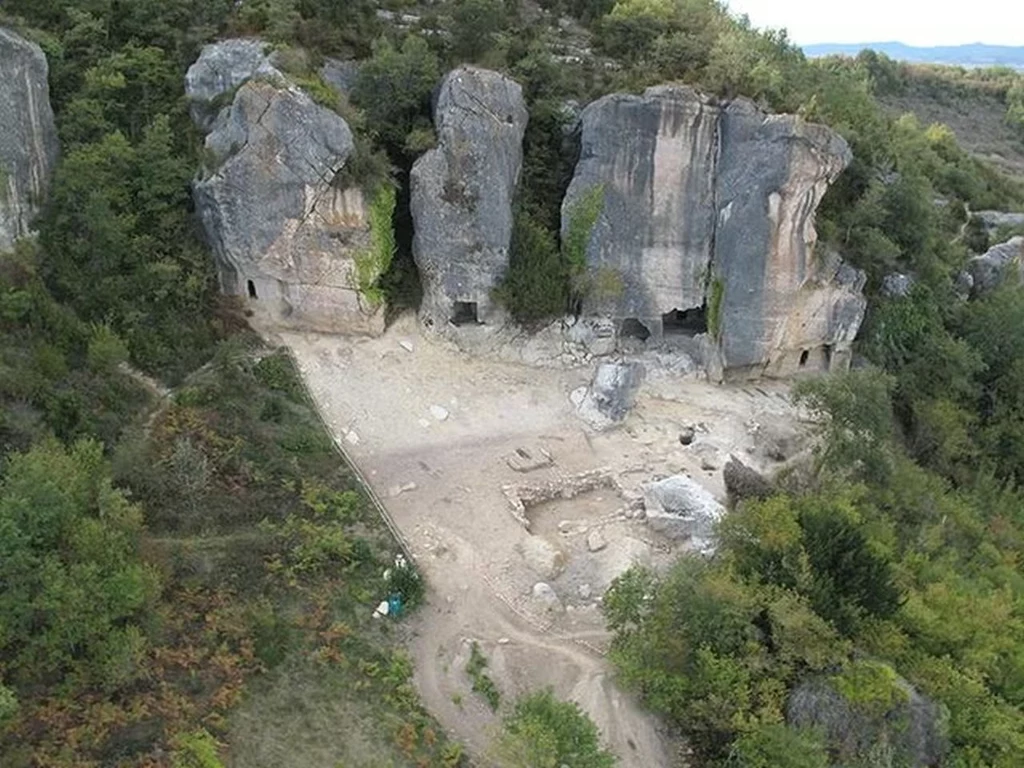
[653, 158]
[772, 173]
[28, 137]
[220, 69]
[461, 199]
[993, 220]
[914, 727]
[707, 224]
[680, 508]
[611, 394]
[897, 285]
[284, 232]
[996, 265]
[340, 74]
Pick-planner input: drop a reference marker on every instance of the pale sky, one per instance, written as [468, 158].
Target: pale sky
[915, 22]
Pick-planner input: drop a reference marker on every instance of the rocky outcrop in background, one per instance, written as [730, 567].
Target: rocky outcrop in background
[706, 230]
[999, 263]
[286, 232]
[28, 136]
[461, 197]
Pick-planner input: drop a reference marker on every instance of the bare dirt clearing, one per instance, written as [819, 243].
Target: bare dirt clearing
[437, 434]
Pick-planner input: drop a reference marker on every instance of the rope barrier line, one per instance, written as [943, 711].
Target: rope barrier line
[382, 511]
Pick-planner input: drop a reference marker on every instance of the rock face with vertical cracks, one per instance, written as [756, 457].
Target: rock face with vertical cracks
[288, 236]
[461, 198]
[706, 231]
[28, 137]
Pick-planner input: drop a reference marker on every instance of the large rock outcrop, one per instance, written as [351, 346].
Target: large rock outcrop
[1001, 262]
[705, 232]
[28, 137]
[461, 198]
[289, 235]
[912, 726]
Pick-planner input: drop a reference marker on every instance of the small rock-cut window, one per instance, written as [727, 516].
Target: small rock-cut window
[464, 313]
[685, 322]
[252, 289]
[634, 329]
[803, 357]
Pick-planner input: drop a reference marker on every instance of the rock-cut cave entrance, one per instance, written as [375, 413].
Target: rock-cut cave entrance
[252, 289]
[465, 313]
[632, 328]
[685, 322]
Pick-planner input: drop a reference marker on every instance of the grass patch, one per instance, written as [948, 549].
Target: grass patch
[374, 261]
[482, 683]
[715, 299]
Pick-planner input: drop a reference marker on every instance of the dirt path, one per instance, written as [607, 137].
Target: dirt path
[432, 429]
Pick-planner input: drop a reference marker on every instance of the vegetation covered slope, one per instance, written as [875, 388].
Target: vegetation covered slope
[156, 562]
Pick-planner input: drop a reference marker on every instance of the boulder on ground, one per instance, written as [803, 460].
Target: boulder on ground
[680, 508]
[612, 394]
[543, 557]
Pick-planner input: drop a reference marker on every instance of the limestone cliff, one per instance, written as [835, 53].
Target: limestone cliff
[651, 159]
[288, 235]
[28, 137]
[461, 197]
[705, 234]
[772, 173]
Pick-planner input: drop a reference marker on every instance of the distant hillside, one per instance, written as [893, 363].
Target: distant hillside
[972, 55]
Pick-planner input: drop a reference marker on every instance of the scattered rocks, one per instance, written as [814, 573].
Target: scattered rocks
[439, 412]
[686, 435]
[406, 345]
[596, 541]
[679, 508]
[352, 437]
[585, 591]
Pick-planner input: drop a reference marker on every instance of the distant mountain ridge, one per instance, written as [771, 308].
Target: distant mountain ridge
[970, 55]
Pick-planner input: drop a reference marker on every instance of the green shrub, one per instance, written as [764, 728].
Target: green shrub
[542, 732]
[372, 262]
[482, 683]
[197, 749]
